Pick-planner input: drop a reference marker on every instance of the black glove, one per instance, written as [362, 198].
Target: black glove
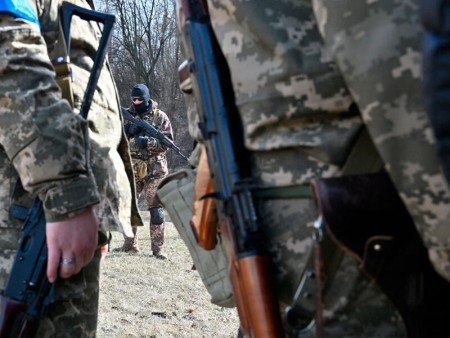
[142, 142]
[133, 129]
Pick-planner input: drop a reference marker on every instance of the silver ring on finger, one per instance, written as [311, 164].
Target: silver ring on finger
[68, 261]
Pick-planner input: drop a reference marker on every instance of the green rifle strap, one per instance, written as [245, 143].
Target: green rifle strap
[297, 191]
[362, 159]
[61, 63]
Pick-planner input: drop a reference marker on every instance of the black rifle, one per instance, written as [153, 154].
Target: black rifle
[108, 20]
[152, 132]
[221, 127]
[28, 291]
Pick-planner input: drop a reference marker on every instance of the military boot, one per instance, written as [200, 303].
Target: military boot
[131, 243]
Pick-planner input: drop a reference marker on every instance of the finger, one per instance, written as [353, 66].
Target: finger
[67, 266]
[54, 256]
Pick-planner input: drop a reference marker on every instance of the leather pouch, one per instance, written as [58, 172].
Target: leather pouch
[365, 217]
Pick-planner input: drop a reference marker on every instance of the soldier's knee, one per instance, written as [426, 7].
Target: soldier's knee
[157, 215]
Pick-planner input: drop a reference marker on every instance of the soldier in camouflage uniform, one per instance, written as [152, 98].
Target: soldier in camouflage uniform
[300, 107]
[150, 164]
[81, 170]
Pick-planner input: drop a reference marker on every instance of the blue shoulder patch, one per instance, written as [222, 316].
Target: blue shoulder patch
[19, 8]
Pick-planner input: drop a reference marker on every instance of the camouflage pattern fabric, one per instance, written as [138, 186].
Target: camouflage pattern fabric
[150, 191]
[156, 230]
[290, 96]
[156, 155]
[68, 162]
[75, 312]
[392, 105]
[157, 236]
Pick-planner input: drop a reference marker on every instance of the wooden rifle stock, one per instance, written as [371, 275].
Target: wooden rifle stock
[253, 289]
[204, 217]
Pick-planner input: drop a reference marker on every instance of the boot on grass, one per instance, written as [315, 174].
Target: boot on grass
[131, 243]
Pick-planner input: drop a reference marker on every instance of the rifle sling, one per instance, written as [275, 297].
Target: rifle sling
[61, 63]
[297, 191]
[363, 159]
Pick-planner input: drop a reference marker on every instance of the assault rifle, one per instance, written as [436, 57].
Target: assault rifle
[232, 186]
[28, 292]
[152, 132]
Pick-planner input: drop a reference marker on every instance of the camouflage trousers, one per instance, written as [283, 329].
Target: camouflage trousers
[156, 230]
[287, 226]
[75, 312]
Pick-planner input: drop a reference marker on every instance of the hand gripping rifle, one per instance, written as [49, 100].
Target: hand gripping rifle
[232, 185]
[152, 132]
[28, 291]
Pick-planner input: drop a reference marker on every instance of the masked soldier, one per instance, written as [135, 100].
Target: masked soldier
[150, 164]
[81, 170]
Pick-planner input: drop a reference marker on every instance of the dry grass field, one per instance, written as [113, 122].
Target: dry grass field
[141, 296]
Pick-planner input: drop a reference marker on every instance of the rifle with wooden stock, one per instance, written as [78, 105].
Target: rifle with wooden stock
[28, 292]
[206, 75]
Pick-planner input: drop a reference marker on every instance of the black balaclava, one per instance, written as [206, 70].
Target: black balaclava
[141, 90]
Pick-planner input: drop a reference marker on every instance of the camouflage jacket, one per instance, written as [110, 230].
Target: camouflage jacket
[156, 151]
[68, 162]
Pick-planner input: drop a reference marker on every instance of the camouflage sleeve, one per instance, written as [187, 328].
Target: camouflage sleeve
[166, 128]
[46, 142]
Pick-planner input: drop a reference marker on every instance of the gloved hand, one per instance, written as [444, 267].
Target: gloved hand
[133, 129]
[142, 142]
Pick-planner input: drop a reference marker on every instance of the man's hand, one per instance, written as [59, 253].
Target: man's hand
[71, 244]
[132, 129]
[142, 142]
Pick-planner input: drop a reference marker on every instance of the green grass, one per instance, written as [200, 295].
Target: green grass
[141, 296]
